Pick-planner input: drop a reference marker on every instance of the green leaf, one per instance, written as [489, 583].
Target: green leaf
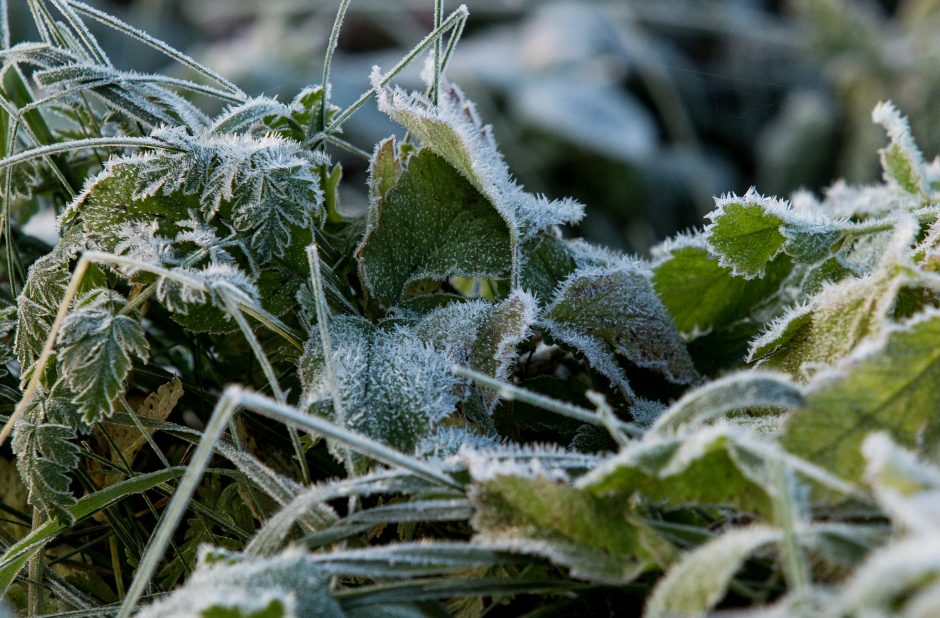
[590, 535]
[94, 350]
[430, 226]
[747, 232]
[391, 385]
[702, 295]
[546, 262]
[888, 385]
[902, 160]
[37, 305]
[481, 335]
[19, 554]
[718, 466]
[614, 310]
[744, 236]
[827, 328]
[44, 457]
[701, 579]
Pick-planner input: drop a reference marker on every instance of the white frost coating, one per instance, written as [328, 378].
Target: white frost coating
[845, 312]
[141, 241]
[526, 461]
[613, 309]
[807, 230]
[689, 239]
[446, 443]
[899, 131]
[454, 131]
[395, 387]
[226, 580]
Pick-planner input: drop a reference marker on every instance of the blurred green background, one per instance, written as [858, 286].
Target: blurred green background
[644, 110]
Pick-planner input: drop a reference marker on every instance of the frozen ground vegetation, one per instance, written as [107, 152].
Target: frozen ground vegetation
[227, 397]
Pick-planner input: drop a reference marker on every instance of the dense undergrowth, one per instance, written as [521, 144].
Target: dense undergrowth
[228, 397]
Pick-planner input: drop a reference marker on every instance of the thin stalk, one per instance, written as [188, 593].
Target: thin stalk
[78, 144]
[610, 420]
[4, 24]
[455, 18]
[562, 408]
[91, 44]
[34, 596]
[116, 24]
[116, 566]
[323, 324]
[268, 370]
[328, 61]
[438, 48]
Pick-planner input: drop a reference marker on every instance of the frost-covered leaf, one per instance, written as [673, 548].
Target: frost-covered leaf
[891, 576]
[719, 465]
[901, 160]
[95, 346]
[431, 225]
[391, 386]
[481, 335]
[835, 321]
[288, 585]
[262, 187]
[886, 385]
[588, 534]
[45, 453]
[546, 262]
[37, 305]
[702, 295]
[747, 232]
[608, 311]
[453, 131]
[700, 580]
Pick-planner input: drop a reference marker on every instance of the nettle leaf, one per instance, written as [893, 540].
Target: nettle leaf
[392, 386]
[37, 306]
[588, 534]
[453, 130]
[95, 346]
[747, 232]
[263, 187]
[886, 385]
[836, 320]
[702, 295]
[481, 335]
[901, 160]
[701, 579]
[614, 310]
[431, 225]
[45, 453]
[224, 584]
